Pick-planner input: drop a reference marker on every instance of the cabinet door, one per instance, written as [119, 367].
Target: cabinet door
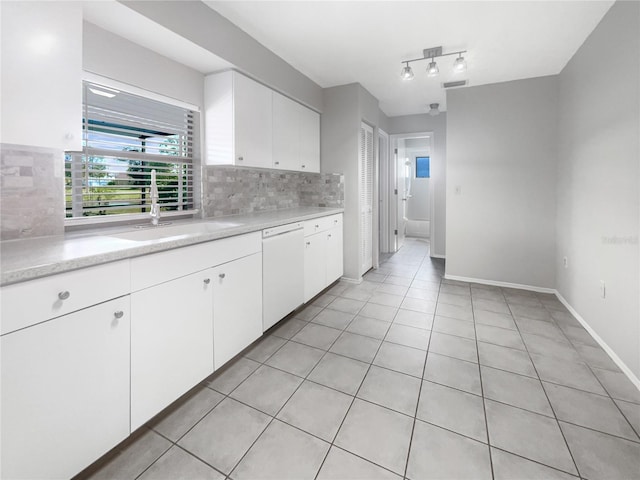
[314, 265]
[41, 54]
[65, 392]
[253, 119]
[171, 342]
[309, 140]
[286, 133]
[237, 306]
[334, 254]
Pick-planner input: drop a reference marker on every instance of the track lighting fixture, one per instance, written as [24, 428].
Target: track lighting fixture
[434, 109]
[460, 64]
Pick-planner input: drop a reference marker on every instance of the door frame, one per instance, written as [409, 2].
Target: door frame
[383, 191]
[393, 198]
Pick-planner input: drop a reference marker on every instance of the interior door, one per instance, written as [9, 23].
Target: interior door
[366, 166]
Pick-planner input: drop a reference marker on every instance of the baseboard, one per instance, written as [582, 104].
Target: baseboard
[519, 286]
[355, 281]
[617, 360]
[433, 255]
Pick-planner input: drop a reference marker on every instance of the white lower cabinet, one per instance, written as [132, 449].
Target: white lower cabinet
[315, 248]
[335, 263]
[171, 342]
[237, 306]
[65, 392]
[323, 262]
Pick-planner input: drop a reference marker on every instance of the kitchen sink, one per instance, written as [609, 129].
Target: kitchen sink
[173, 231]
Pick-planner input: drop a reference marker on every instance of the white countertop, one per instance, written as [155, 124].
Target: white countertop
[26, 259]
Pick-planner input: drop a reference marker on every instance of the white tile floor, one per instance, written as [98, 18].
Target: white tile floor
[406, 375]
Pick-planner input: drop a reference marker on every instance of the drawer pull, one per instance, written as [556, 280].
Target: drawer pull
[308, 243]
[207, 281]
[222, 275]
[304, 166]
[277, 163]
[118, 314]
[240, 159]
[329, 235]
[317, 226]
[64, 295]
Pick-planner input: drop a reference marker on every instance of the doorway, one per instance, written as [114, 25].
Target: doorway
[405, 183]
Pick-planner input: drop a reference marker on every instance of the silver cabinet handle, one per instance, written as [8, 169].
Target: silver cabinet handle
[64, 295]
[118, 314]
[222, 275]
[207, 281]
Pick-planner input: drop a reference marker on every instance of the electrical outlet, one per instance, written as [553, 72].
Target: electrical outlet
[565, 262]
[603, 289]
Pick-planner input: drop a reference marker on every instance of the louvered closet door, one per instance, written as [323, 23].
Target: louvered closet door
[366, 197]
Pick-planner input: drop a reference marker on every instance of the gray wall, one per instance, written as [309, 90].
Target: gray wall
[437, 125]
[501, 154]
[205, 27]
[112, 56]
[340, 124]
[598, 204]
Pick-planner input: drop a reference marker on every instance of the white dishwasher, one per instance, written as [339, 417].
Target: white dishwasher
[282, 272]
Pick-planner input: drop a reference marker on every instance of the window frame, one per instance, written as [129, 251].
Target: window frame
[195, 160]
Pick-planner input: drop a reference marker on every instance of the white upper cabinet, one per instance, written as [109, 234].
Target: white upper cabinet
[296, 136]
[42, 74]
[252, 121]
[309, 140]
[238, 116]
[286, 133]
[248, 124]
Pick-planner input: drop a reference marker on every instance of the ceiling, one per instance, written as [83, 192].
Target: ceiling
[341, 42]
[125, 22]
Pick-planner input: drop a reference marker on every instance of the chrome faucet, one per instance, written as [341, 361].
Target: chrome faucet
[155, 208]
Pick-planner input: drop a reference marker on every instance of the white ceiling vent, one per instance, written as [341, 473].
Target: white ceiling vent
[459, 83]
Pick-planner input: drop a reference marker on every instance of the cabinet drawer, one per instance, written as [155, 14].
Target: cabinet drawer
[161, 267]
[322, 224]
[28, 303]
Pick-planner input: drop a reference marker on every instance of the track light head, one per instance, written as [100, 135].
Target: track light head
[434, 109]
[406, 73]
[460, 65]
[432, 69]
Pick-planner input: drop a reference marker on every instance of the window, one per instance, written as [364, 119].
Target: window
[125, 136]
[423, 167]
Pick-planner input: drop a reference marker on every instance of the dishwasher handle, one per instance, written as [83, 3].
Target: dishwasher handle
[281, 230]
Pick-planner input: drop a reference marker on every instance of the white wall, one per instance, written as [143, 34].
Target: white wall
[207, 28]
[109, 55]
[598, 203]
[501, 155]
[437, 125]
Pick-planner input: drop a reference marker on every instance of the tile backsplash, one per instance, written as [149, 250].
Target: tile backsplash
[231, 190]
[31, 193]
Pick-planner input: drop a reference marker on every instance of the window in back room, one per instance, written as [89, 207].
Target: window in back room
[125, 137]
[423, 167]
